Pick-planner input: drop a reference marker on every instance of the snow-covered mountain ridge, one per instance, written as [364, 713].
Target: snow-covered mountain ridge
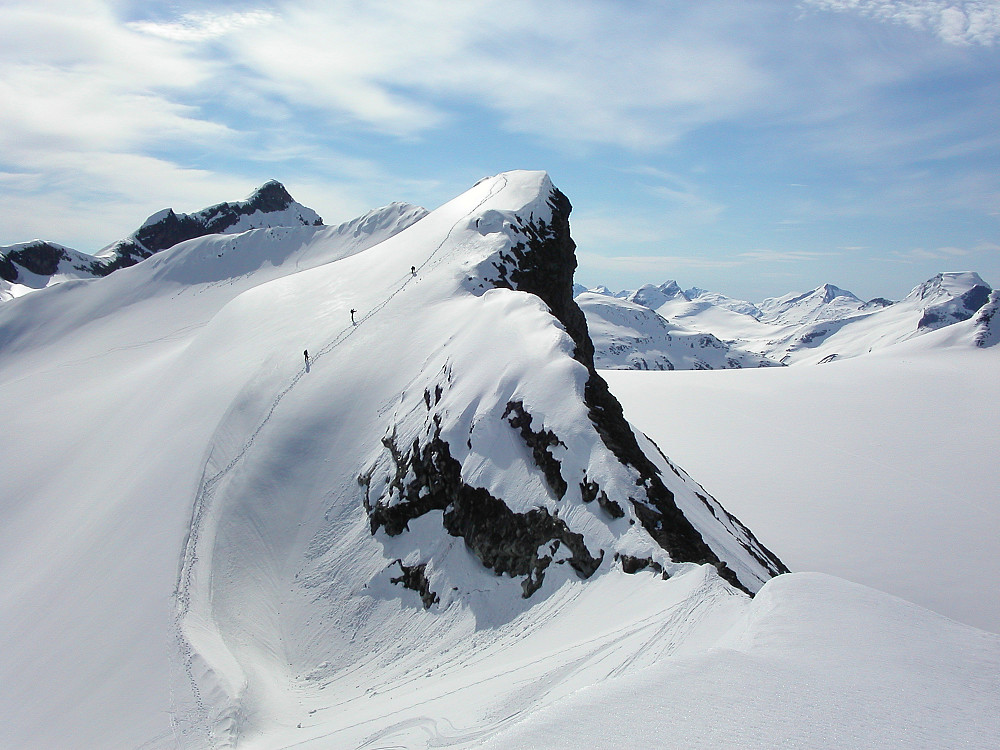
[27, 266]
[432, 528]
[445, 432]
[824, 324]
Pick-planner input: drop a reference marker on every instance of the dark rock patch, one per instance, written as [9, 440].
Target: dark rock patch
[541, 443]
[414, 578]
[428, 478]
[591, 491]
[632, 565]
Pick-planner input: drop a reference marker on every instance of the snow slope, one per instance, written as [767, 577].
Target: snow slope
[814, 662]
[880, 469]
[109, 411]
[210, 539]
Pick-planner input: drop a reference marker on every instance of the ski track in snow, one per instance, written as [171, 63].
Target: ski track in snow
[632, 645]
[203, 498]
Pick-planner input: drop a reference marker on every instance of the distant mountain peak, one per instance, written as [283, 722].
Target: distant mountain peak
[947, 285]
[271, 196]
[825, 302]
[652, 296]
[949, 297]
[829, 292]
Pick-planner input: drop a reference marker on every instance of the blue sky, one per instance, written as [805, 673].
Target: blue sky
[752, 148]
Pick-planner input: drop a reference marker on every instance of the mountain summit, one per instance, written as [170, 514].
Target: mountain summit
[340, 452]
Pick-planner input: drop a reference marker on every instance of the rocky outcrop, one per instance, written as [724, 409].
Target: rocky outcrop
[428, 478]
[543, 263]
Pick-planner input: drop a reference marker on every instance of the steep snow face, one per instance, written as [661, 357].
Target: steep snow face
[629, 336]
[826, 302]
[468, 465]
[362, 447]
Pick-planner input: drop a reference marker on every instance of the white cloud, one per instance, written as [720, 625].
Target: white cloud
[955, 22]
[201, 26]
[581, 72]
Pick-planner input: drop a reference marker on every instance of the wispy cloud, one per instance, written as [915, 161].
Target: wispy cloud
[946, 253]
[962, 23]
[782, 256]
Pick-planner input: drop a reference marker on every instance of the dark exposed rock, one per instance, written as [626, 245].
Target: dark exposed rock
[941, 315]
[877, 303]
[591, 491]
[632, 565]
[540, 443]
[428, 478]
[414, 578]
[986, 333]
[39, 258]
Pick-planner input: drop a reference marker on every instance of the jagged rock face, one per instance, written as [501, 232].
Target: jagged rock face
[543, 264]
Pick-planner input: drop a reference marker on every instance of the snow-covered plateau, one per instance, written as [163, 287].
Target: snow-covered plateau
[293, 485]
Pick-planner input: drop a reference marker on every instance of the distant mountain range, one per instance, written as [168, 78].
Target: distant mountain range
[664, 327]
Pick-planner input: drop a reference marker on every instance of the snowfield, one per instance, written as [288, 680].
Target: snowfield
[881, 469]
[360, 487]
